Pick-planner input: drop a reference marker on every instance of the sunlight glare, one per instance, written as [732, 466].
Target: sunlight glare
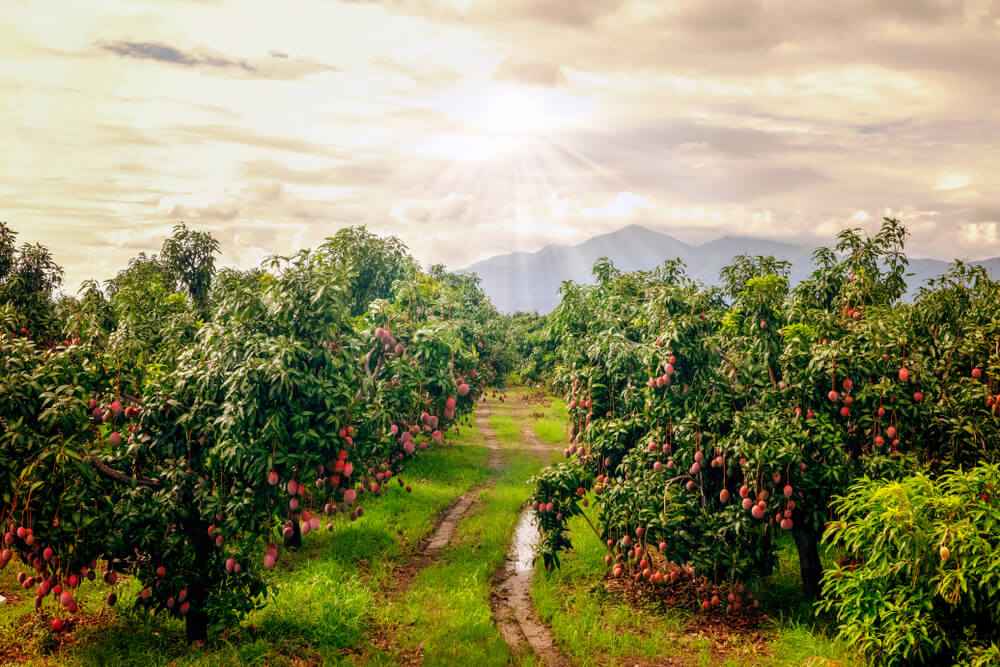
[516, 110]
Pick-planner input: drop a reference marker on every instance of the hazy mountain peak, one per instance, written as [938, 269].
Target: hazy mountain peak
[530, 281]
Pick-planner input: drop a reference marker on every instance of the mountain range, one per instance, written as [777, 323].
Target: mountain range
[530, 281]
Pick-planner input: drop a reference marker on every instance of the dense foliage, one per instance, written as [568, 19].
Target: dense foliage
[182, 421]
[707, 420]
[534, 346]
[918, 579]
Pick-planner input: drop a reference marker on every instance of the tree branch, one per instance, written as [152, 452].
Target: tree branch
[378, 369]
[369, 374]
[596, 534]
[111, 473]
[368, 357]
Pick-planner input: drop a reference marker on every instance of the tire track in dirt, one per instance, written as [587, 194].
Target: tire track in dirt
[510, 596]
[403, 575]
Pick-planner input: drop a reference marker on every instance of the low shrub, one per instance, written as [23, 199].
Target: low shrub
[918, 575]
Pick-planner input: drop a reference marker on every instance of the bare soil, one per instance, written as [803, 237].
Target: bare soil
[510, 595]
[510, 599]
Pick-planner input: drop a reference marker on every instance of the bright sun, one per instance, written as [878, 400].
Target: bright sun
[493, 119]
[516, 110]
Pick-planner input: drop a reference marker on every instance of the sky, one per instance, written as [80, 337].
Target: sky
[470, 128]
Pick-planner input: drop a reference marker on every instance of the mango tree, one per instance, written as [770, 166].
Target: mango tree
[709, 420]
[283, 407]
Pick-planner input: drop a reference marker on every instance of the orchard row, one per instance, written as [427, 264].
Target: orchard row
[709, 421]
[183, 425]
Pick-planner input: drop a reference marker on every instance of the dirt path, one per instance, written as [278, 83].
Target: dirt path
[404, 573]
[510, 597]
[510, 594]
[465, 503]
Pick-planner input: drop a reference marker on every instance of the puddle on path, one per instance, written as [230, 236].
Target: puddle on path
[525, 541]
[513, 610]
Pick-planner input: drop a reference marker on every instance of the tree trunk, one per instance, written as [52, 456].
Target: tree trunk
[807, 542]
[196, 625]
[295, 541]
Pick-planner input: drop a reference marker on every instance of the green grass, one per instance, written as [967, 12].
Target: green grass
[783, 593]
[795, 643]
[551, 427]
[322, 594]
[328, 597]
[596, 627]
[591, 625]
[447, 609]
[550, 431]
[507, 429]
[510, 418]
[798, 633]
[547, 420]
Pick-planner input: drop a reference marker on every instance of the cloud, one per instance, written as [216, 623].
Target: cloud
[758, 22]
[952, 181]
[279, 65]
[169, 54]
[201, 134]
[529, 73]
[623, 205]
[446, 211]
[783, 118]
[576, 13]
